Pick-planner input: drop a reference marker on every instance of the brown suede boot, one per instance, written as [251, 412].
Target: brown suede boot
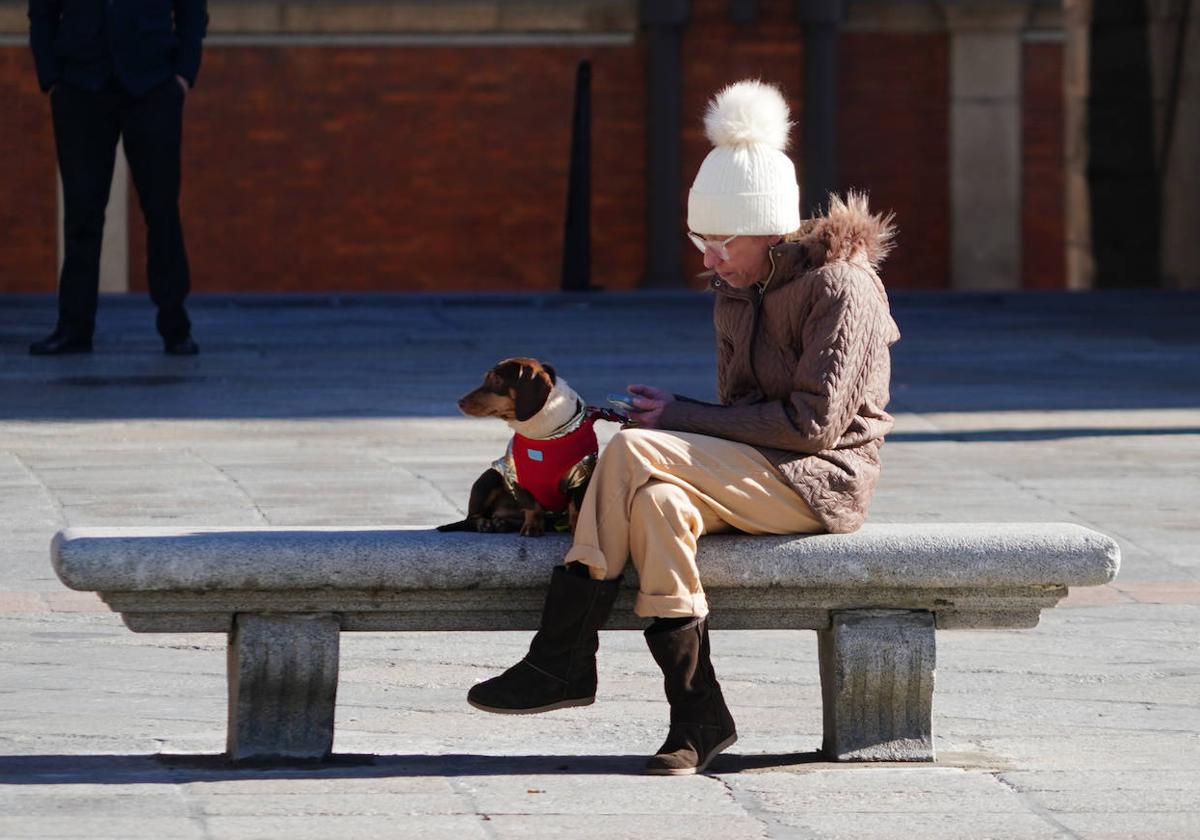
[701, 725]
[560, 669]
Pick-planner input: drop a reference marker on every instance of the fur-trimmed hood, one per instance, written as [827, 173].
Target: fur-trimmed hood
[847, 230]
[849, 233]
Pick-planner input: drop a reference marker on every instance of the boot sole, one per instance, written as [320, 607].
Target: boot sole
[691, 771]
[561, 704]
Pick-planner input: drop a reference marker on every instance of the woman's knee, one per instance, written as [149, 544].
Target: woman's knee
[623, 444]
[623, 455]
[664, 501]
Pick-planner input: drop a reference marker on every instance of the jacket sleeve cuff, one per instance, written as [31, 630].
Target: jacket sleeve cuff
[757, 425]
[688, 415]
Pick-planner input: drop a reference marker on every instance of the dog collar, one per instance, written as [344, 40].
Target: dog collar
[562, 414]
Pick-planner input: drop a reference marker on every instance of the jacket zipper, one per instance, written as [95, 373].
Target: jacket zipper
[762, 291]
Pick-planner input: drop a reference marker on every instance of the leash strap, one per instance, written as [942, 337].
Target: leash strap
[598, 413]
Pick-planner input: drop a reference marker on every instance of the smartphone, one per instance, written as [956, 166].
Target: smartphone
[622, 401]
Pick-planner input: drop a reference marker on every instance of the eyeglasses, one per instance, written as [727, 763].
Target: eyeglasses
[705, 245]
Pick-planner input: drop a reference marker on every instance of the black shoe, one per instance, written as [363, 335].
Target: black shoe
[59, 343]
[560, 669]
[701, 725]
[185, 346]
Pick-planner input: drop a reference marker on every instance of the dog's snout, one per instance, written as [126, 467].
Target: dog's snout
[473, 404]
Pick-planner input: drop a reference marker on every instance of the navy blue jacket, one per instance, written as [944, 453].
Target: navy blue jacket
[141, 42]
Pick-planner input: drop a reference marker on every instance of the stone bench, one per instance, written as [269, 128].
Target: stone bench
[283, 596]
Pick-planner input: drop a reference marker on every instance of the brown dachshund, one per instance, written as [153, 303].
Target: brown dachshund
[542, 478]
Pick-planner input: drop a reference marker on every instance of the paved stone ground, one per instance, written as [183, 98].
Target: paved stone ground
[340, 410]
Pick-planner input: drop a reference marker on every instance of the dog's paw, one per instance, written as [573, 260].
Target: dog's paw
[497, 525]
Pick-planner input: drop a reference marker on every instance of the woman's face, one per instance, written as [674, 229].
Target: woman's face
[748, 262]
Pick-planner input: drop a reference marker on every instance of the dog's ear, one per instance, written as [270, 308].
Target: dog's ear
[502, 377]
[532, 389]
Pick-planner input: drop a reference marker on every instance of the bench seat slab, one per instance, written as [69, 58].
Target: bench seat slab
[877, 670]
[520, 609]
[283, 675]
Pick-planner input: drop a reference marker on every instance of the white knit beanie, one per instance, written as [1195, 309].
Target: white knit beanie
[746, 185]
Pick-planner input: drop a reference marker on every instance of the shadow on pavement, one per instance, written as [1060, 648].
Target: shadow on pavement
[1023, 435]
[180, 769]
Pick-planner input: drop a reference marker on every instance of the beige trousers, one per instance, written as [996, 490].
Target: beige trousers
[654, 493]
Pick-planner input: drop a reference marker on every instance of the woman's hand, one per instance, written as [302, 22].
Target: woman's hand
[648, 403]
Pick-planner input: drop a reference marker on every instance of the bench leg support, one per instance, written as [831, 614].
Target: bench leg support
[283, 673]
[877, 669]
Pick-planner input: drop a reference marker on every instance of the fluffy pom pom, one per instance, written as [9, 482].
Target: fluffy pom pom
[746, 113]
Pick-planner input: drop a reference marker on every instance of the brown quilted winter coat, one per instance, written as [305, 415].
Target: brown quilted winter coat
[803, 364]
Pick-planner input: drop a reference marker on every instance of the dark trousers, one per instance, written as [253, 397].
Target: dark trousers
[87, 125]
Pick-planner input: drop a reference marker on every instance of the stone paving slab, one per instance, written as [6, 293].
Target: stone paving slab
[339, 411]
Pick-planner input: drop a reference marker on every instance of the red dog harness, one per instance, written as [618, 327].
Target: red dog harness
[541, 465]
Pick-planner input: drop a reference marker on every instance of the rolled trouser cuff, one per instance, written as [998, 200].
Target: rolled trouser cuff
[591, 557]
[694, 605]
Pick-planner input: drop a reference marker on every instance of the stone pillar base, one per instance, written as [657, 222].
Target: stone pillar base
[283, 673]
[877, 669]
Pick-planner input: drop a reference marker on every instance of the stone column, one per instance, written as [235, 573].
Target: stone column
[1081, 264]
[114, 250]
[877, 672]
[985, 144]
[820, 19]
[282, 672]
[662, 24]
[1175, 57]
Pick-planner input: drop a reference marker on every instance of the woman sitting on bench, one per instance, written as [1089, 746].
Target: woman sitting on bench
[803, 334]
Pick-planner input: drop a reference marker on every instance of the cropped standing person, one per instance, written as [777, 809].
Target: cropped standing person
[803, 332]
[118, 69]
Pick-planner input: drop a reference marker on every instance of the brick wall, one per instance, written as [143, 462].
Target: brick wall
[893, 141]
[349, 169]
[1043, 210]
[444, 168]
[28, 198]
